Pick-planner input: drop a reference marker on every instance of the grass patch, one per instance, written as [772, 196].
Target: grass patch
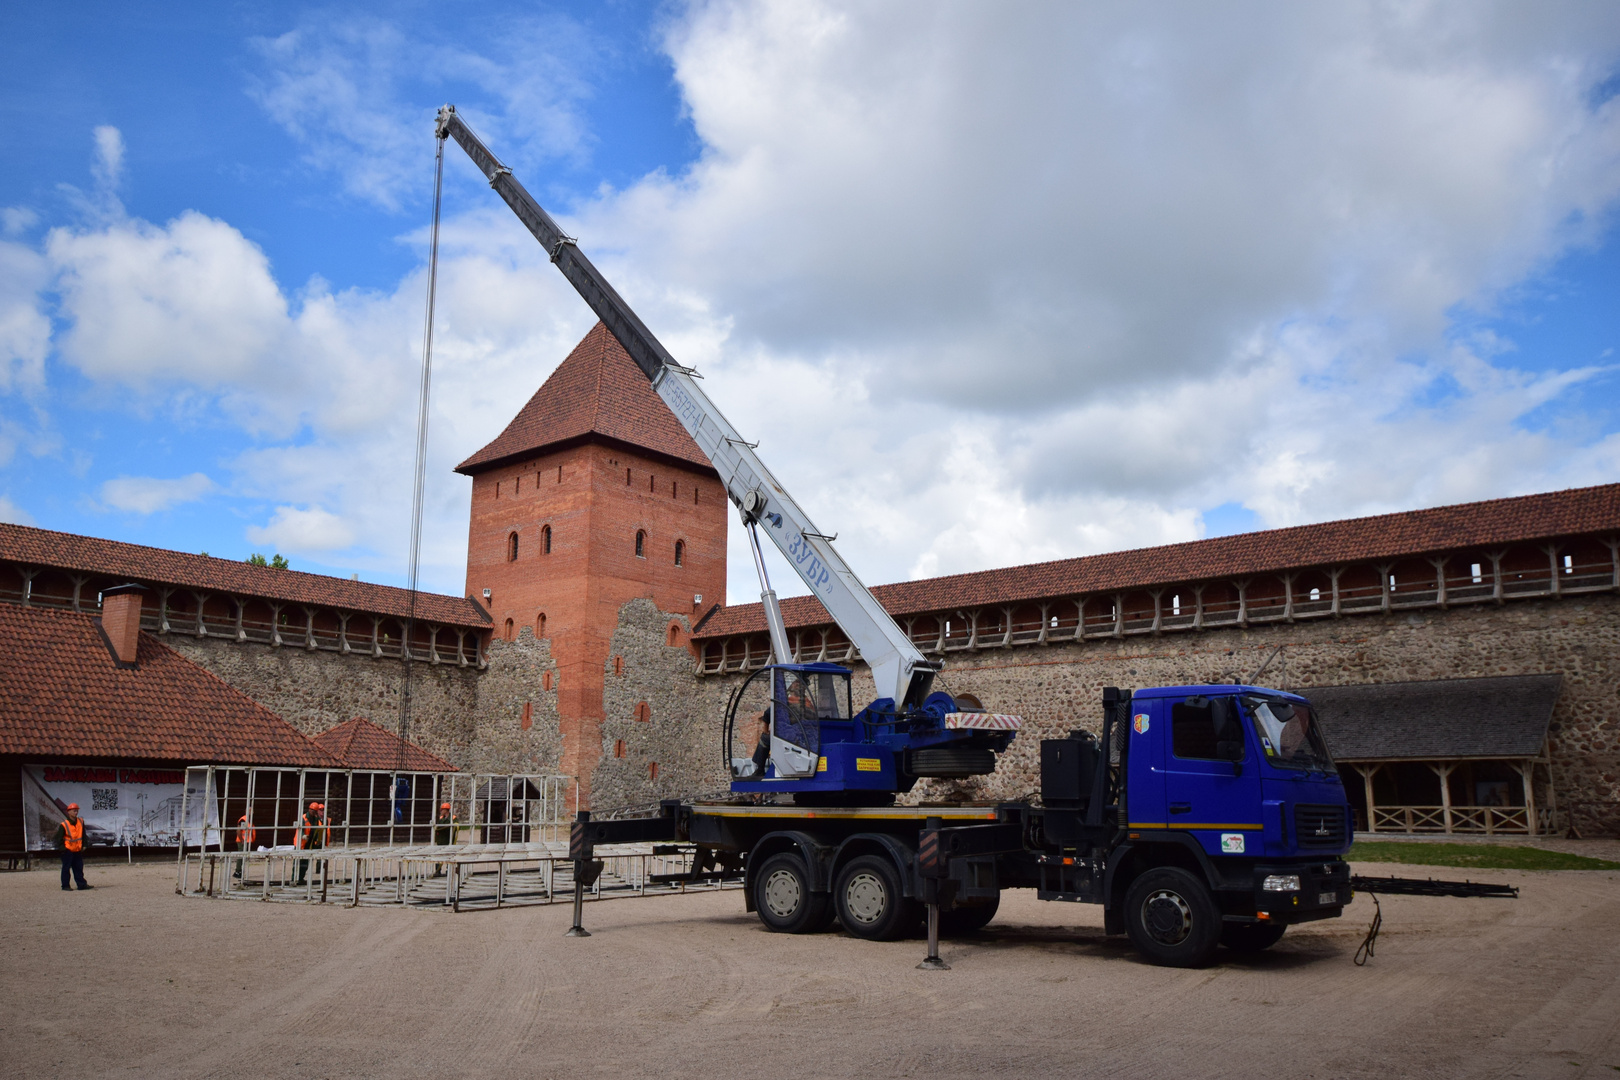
[1474, 856]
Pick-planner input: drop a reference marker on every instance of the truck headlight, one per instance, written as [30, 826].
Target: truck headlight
[1281, 883]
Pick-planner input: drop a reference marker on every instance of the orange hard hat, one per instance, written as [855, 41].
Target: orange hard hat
[73, 806]
[444, 806]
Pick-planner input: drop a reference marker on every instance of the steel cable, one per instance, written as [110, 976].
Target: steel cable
[420, 477]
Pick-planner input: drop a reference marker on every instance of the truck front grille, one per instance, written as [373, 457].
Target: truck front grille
[1319, 826]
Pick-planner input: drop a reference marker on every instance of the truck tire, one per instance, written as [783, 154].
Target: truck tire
[783, 898]
[1171, 918]
[951, 762]
[872, 902]
[1251, 937]
[966, 918]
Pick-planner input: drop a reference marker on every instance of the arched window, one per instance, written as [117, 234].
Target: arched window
[641, 544]
[528, 715]
[618, 748]
[680, 552]
[643, 712]
[652, 770]
[546, 681]
[511, 548]
[540, 625]
[674, 634]
[510, 633]
[618, 665]
[545, 540]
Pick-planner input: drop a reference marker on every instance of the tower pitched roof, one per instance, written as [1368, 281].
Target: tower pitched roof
[598, 392]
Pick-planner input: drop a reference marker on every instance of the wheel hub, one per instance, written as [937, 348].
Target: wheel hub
[782, 893]
[866, 898]
[1167, 917]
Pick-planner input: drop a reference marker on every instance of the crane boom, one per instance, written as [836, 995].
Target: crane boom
[898, 667]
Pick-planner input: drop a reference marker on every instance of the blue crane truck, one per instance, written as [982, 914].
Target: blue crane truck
[1197, 816]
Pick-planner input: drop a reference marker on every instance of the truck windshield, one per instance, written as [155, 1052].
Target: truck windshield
[1289, 733]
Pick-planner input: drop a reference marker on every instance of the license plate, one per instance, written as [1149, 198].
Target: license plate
[1327, 898]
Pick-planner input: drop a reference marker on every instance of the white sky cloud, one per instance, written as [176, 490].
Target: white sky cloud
[308, 529]
[991, 284]
[337, 84]
[150, 495]
[12, 514]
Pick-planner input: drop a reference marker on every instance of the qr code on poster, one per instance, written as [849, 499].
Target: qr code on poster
[103, 798]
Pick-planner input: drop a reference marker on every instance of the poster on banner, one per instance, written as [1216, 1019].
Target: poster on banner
[120, 807]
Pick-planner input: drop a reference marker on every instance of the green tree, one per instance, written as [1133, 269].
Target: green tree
[275, 562]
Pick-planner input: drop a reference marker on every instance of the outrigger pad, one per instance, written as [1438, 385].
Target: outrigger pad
[1395, 886]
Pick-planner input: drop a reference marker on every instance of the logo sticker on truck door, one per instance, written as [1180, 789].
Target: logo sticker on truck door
[1140, 723]
[1231, 843]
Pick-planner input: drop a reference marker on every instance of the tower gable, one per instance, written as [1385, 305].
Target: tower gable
[597, 394]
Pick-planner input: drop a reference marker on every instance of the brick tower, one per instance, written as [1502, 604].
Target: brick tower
[593, 496]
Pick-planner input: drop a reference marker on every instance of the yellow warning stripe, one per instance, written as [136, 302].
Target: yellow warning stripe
[1189, 825]
[888, 813]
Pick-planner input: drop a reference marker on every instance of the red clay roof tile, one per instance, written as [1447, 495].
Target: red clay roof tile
[139, 563]
[361, 744]
[1386, 536]
[62, 694]
[597, 391]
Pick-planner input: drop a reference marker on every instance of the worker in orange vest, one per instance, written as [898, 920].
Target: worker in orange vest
[246, 834]
[313, 834]
[70, 839]
[444, 833]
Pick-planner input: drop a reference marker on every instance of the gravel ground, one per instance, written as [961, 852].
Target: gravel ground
[132, 980]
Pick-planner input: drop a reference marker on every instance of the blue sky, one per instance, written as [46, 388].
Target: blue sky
[1025, 282]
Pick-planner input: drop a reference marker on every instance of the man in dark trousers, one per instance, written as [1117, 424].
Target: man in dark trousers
[70, 840]
[312, 835]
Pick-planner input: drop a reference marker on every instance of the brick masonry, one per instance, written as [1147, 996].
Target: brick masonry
[596, 499]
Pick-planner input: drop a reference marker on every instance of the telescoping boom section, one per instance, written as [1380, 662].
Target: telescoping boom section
[818, 750]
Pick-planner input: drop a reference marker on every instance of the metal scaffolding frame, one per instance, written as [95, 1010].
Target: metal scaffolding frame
[506, 844]
[371, 807]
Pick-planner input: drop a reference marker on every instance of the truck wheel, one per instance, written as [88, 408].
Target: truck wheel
[871, 901]
[783, 898]
[1171, 918]
[1251, 937]
[966, 918]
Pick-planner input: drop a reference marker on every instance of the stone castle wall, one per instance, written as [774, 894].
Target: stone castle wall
[474, 719]
[1059, 687]
[471, 718]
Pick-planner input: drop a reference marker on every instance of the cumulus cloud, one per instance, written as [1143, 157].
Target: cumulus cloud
[12, 514]
[151, 495]
[991, 285]
[303, 529]
[191, 300]
[1141, 262]
[25, 329]
[351, 89]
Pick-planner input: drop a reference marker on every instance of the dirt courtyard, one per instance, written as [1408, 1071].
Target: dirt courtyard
[132, 980]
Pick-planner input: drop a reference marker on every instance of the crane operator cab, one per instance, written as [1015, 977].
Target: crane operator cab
[823, 752]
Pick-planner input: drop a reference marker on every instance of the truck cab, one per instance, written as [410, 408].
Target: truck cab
[1233, 785]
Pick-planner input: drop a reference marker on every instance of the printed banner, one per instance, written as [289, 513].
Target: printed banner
[120, 807]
